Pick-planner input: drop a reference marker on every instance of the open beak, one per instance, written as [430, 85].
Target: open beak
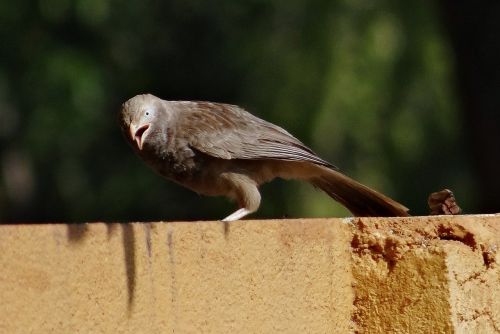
[138, 134]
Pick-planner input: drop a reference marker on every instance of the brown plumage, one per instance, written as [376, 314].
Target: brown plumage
[219, 149]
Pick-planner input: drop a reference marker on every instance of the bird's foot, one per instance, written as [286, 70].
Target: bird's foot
[238, 214]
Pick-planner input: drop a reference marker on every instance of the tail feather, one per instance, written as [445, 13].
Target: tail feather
[359, 199]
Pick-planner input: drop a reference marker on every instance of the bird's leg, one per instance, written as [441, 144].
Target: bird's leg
[245, 191]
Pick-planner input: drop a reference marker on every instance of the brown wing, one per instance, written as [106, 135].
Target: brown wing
[229, 132]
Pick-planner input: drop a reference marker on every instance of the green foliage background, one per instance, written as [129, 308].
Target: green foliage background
[369, 85]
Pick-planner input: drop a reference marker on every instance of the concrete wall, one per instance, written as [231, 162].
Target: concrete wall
[404, 275]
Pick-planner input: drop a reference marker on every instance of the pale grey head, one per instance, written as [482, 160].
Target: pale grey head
[143, 118]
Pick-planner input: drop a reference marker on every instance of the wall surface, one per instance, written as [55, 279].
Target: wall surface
[435, 274]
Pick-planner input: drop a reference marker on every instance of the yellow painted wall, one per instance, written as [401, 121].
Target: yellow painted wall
[406, 275]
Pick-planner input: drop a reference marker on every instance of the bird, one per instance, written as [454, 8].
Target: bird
[218, 149]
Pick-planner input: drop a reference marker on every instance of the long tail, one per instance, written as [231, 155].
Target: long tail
[359, 199]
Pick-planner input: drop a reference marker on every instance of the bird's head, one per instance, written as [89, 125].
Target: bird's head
[141, 119]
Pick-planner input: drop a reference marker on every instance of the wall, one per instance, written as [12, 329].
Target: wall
[418, 275]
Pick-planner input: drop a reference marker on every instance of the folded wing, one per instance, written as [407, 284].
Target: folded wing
[229, 132]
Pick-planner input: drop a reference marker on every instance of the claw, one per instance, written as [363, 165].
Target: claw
[238, 214]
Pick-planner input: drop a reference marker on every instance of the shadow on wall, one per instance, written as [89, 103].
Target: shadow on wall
[76, 233]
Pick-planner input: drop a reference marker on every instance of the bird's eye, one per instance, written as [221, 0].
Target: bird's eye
[147, 113]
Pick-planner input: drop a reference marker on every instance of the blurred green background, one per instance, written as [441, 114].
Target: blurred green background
[401, 95]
